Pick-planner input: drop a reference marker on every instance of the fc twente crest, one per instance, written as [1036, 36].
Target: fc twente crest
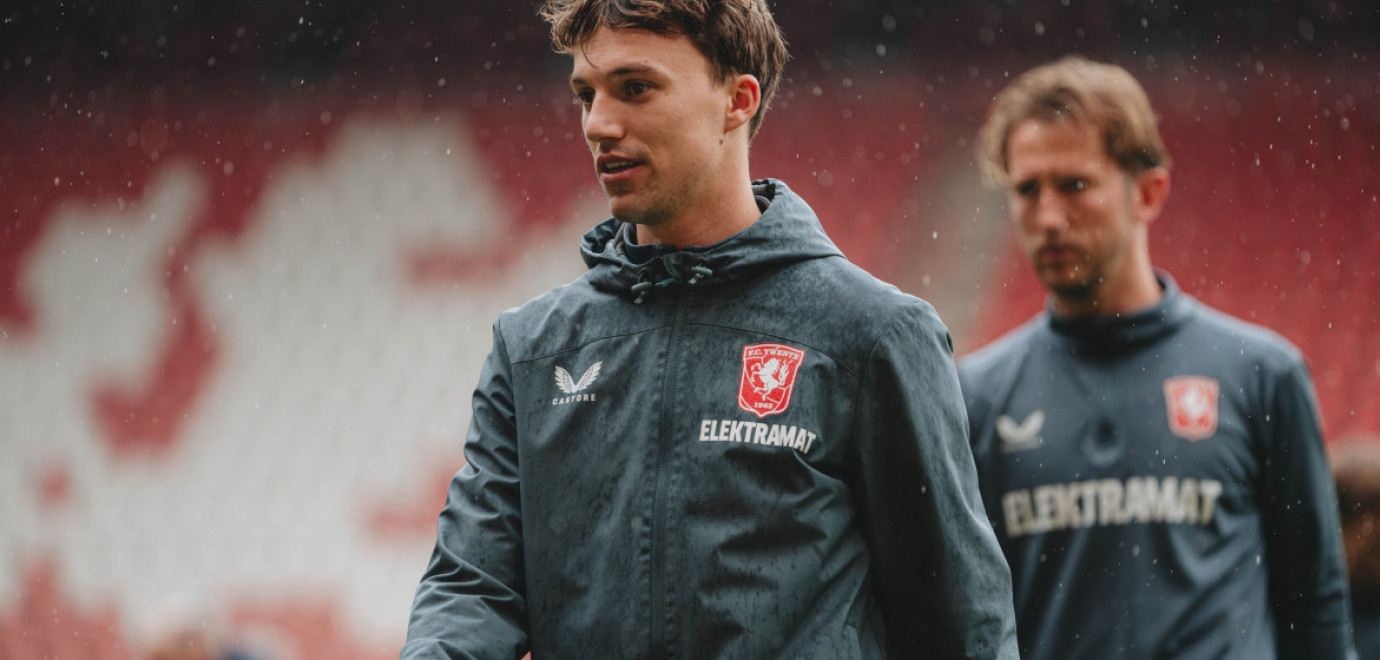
[1192, 405]
[769, 372]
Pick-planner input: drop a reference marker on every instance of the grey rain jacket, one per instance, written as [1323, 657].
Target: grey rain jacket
[1160, 488]
[748, 450]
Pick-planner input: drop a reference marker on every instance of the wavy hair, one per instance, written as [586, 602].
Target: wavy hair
[736, 36]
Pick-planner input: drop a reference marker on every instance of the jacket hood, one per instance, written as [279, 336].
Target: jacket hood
[787, 232]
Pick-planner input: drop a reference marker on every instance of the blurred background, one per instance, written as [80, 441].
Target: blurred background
[250, 253]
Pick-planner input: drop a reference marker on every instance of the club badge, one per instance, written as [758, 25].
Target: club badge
[1192, 405]
[768, 378]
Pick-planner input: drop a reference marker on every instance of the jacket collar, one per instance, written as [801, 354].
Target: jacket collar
[1118, 332]
[787, 232]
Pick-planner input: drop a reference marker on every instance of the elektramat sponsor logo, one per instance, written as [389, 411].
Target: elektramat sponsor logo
[1110, 502]
[575, 389]
[758, 433]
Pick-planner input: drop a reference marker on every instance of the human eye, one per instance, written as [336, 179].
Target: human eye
[583, 97]
[1073, 185]
[637, 88]
[1027, 189]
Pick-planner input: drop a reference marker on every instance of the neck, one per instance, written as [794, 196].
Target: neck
[725, 205]
[707, 224]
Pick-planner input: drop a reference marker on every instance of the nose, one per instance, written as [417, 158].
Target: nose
[1049, 213]
[602, 121]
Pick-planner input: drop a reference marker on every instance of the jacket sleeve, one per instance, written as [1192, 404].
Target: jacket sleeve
[1308, 588]
[470, 603]
[943, 586]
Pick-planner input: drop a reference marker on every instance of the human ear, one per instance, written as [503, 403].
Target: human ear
[744, 97]
[1152, 191]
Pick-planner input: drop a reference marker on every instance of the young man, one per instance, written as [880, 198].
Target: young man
[724, 440]
[1356, 469]
[1153, 468]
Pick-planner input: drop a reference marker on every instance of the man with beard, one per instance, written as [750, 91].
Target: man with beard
[1153, 468]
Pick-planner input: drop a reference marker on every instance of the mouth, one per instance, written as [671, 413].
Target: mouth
[1065, 259]
[614, 165]
[1054, 253]
[616, 170]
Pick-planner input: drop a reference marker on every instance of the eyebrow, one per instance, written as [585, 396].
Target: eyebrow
[620, 72]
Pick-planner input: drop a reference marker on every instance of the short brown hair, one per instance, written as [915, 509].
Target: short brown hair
[1079, 90]
[737, 36]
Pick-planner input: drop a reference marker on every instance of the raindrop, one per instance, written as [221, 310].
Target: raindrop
[1306, 30]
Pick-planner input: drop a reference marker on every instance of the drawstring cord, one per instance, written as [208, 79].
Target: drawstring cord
[644, 286]
[701, 271]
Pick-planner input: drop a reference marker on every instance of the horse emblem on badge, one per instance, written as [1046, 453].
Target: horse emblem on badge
[768, 378]
[1192, 405]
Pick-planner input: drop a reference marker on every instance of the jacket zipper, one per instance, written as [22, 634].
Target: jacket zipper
[1109, 412]
[661, 640]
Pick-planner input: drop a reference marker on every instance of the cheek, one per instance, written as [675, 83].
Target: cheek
[1108, 206]
[1022, 215]
[696, 121]
[1097, 198]
[676, 131]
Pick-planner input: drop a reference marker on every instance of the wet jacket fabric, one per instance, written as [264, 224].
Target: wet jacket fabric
[1159, 487]
[747, 450]
[1365, 619]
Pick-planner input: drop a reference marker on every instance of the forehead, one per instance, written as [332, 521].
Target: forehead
[610, 53]
[1038, 147]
